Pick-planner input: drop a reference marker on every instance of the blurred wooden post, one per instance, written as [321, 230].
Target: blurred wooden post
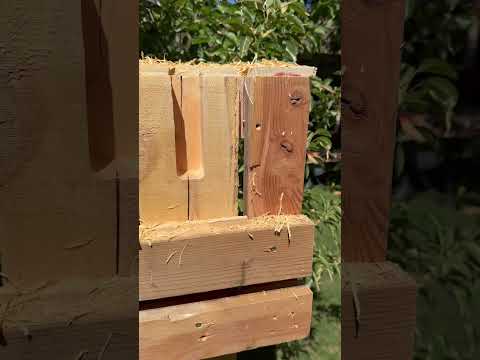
[378, 299]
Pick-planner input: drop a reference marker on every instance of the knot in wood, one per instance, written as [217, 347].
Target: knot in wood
[286, 146]
[355, 101]
[296, 98]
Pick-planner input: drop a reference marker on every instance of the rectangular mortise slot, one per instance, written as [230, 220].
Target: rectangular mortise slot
[187, 107]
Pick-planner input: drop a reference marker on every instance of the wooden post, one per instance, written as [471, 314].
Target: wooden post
[275, 145]
[194, 272]
[371, 39]
[378, 298]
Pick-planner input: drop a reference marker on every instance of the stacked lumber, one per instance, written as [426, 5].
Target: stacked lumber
[212, 282]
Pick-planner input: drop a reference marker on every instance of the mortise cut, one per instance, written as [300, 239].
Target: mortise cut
[179, 123]
[187, 96]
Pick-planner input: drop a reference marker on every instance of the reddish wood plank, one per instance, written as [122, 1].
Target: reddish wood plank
[378, 312]
[371, 37]
[275, 145]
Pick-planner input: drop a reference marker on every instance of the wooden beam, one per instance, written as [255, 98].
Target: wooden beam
[378, 312]
[57, 217]
[275, 144]
[225, 325]
[371, 39]
[202, 256]
[67, 319]
[215, 193]
[163, 195]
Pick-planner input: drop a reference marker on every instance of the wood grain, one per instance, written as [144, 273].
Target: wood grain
[378, 312]
[226, 325]
[193, 121]
[53, 206]
[215, 193]
[163, 195]
[371, 38]
[66, 319]
[275, 145]
[120, 25]
[202, 256]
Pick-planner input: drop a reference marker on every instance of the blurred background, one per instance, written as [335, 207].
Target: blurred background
[435, 219]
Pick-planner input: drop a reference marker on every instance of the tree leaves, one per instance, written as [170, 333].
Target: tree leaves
[244, 46]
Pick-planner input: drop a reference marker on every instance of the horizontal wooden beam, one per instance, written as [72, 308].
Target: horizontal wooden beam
[201, 256]
[226, 325]
[70, 319]
[378, 312]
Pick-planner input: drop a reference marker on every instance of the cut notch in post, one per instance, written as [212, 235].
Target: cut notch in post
[186, 91]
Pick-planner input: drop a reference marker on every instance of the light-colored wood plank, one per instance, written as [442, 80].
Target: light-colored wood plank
[372, 34]
[275, 145]
[215, 193]
[163, 195]
[226, 325]
[378, 312]
[207, 255]
[57, 219]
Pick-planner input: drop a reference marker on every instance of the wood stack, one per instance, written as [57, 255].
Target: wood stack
[212, 282]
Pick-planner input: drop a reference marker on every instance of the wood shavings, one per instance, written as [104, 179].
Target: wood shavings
[246, 92]
[281, 203]
[289, 233]
[105, 346]
[170, 257]
[181, 254]
[254, 185]
[250, 235]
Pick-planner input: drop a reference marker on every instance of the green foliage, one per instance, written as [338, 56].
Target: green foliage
[222, 32]
[322, 205]
[436, 29]
[429, 88]
[436, 242]
[324, 119]
[251, 30]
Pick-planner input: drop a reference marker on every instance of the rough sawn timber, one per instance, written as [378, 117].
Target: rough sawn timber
[200, 256]
[275, 144]
[378, 312]
[226, 325]
[371, 40]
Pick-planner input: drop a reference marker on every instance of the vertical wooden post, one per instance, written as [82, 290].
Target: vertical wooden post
[378, 298]
[275, 145]
[372, 33]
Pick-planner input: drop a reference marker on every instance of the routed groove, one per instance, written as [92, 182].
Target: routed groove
[192, 125]
[101, 136]
[179, 121]
[371, 41]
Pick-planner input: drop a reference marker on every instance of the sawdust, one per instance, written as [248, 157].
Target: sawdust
[195, 229]
[237, 68]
